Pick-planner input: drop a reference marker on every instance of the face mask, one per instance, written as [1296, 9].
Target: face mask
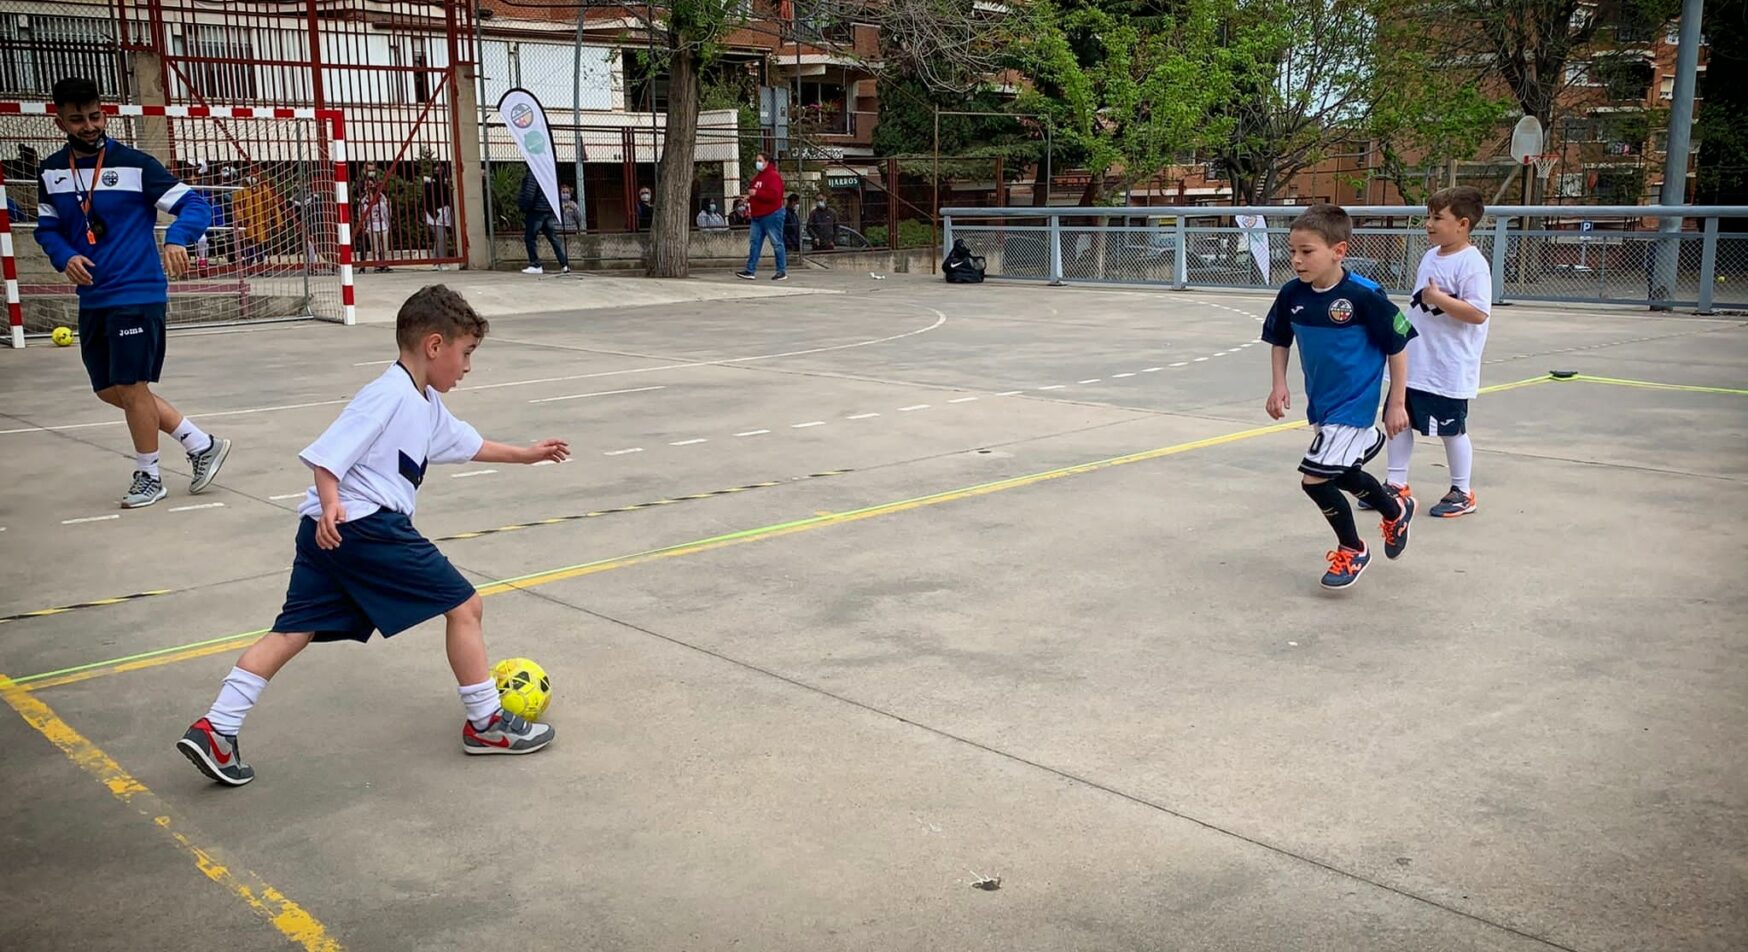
[644, 196]
[760, 165]
[713, 207]
[818, 204]
[79, 144]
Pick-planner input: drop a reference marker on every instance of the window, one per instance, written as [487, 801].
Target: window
[36, 50]
[421, 78]
[1580, 74]
[1666, 87]
[825, 105]
[225, 70]
[1569, 185]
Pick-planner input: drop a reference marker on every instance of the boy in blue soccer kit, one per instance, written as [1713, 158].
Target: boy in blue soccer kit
[361, 566]
[97, 224]
[1347, 330]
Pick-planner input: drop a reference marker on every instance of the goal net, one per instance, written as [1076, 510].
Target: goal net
[278, 247]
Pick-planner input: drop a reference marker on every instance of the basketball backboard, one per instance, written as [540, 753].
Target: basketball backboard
[1526, 140]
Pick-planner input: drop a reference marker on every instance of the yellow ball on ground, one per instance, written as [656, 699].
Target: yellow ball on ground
[62, 336]
[523, 687]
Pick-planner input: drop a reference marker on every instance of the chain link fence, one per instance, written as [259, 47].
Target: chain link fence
[1612, 255]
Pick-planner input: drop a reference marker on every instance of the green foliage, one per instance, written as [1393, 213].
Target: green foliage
[506, 185]
[1129, 89]
[907, 123]
[911, 234]
[1426, 115]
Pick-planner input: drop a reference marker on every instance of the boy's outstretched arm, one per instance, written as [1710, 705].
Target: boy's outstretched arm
[555, 450]
[1280, 398]
[1396, 404]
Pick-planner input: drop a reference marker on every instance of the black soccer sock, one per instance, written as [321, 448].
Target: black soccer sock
[1335, 508]
[1367, 489]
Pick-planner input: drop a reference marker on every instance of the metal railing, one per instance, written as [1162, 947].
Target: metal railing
[1611, 254]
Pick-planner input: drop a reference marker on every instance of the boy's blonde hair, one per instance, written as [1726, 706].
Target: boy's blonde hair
[1464, 201]
[435, 309]
[1329, 222]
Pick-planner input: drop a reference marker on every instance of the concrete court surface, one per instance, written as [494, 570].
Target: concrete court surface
[945, 651]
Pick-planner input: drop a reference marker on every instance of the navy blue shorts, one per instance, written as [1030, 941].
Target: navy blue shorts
[122, 345]
[385, 577]
[1437, 415]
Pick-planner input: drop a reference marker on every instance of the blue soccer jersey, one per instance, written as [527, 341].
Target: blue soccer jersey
[1345, 333]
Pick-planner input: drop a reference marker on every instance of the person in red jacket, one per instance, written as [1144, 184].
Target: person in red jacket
[765, 197]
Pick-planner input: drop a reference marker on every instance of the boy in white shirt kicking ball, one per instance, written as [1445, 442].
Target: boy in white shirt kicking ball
[361, 566]
[1453, 296]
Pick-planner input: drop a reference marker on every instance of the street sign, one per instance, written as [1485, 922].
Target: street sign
[842, 181]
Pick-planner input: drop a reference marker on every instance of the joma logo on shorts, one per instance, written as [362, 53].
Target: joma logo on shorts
[130, 331]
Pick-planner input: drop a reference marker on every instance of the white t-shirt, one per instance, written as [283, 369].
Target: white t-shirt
[1446, 356]
[381, 444]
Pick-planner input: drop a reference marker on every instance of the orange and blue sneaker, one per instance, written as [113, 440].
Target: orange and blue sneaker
[1456, 503]
[1396, 530]
[1365, 506]
[215, 754]
[1345, 566]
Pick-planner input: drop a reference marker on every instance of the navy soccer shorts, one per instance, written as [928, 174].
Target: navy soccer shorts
[385, 577]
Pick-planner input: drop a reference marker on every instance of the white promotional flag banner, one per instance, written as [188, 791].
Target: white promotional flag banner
[526, 120]
[1255, 228]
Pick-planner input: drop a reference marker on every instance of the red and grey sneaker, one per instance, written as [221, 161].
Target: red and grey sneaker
[1456, 503]
[506, 734]
[215, 754]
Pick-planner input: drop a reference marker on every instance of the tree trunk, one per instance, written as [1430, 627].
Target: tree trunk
[670, 228]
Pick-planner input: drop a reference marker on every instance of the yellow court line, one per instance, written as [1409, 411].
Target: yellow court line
[291, 919]
[163, 656]
[1654, 385]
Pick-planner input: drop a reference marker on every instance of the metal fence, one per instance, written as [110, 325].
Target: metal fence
[1595, 254]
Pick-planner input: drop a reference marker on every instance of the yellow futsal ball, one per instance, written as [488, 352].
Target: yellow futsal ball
[523, 687]
[62, 336]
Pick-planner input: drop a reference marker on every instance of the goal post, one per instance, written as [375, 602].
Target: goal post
[279, 247]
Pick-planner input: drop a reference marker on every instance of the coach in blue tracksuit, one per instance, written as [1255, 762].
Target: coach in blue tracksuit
[97, 223]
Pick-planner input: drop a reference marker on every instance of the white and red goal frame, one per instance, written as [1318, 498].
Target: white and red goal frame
[330, 121]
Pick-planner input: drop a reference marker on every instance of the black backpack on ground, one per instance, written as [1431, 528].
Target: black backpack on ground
[961, 266]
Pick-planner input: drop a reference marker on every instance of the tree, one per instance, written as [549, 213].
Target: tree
[1425, 115]
[1306, 77]
[1129, 88]
[688, 33]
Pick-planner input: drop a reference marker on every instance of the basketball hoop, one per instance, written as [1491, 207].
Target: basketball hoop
[1544, 164]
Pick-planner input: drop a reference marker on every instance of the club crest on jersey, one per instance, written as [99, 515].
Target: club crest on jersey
[1340, 311]
[110, 178]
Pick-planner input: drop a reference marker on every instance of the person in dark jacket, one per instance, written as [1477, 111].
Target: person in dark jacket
[822, 224]
[538, 218]
[792, 223]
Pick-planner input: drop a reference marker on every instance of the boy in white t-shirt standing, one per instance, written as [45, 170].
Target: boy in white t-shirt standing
[1453, 296]
[361, 567]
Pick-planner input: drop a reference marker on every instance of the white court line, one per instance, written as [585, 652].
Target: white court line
[688, 442]
[204, 505]
[918, 406]
[961, 399]
[1151, 370]
[74, 522]
[800, 426]
[1115, 376]
[753, 433]
[288, 496]
[1091, 380]
[1054, 386]
[367, 363]
[598, 393]
[1198, 360]
[940, 319]
[1010, 393]
[1180, 363]
[634, 449]
[862, 416]
[471, 473]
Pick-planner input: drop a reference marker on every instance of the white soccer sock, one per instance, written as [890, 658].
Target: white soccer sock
[192, 438]
[481, 701]
[147, 463]
[1460, 454]
[236, 696]
[1396, 454]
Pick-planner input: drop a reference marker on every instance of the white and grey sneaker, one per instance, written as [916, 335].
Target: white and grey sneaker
[145, 490]
[506, 734]
[205, 464]
[534, 269]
